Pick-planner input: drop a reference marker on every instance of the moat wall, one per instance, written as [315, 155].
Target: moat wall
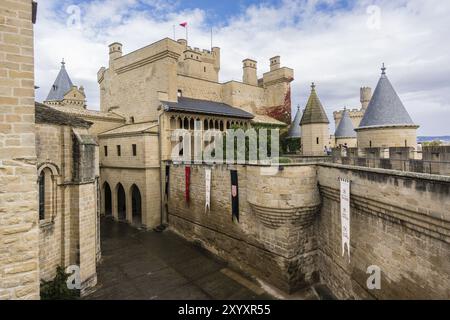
[289, 233]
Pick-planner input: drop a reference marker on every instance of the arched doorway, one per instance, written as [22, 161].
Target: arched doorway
[107, 198]
[121, 203]
[136, 205]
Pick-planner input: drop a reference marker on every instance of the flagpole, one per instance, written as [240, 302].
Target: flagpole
[187, 41]
[211, 38]
[174, 34]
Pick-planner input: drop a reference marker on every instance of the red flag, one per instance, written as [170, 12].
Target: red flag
[184, 24]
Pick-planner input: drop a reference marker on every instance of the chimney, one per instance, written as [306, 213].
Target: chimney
[115, 51]
[275, 63]
[366, 96]
[249, 75]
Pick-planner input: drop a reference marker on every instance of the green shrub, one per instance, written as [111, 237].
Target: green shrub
[56, 289]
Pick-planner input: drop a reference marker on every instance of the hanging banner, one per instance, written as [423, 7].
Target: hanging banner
[166, 191]
[207, 189]
[345, 215]
[187, 174]
[234, 195]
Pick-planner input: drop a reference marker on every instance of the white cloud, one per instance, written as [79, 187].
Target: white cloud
[335, 48]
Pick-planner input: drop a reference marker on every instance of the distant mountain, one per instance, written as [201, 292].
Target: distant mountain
[430, 138]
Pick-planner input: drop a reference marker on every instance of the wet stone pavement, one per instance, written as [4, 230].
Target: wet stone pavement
[145, 265]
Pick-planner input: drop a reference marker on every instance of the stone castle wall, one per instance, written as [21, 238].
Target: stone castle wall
[274, 238]
[289, 234]
[392, 137]
[19, 234]
[68, 234]
[400, 222]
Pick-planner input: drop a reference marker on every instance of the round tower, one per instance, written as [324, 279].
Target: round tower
[314, 126]
[386, 122]
[115, 51]
[366, 95]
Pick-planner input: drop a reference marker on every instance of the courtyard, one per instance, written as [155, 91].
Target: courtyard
[145, 265]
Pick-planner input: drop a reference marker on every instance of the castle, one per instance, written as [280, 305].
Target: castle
[63, 166]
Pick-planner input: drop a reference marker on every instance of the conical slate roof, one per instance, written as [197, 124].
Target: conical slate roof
[295, 130]
[314, 112]
[61, 86]
[385, 107]
[345, 128]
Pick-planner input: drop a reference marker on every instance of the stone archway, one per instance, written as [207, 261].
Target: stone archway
[136, 205]
[121, 203]
[107, 199]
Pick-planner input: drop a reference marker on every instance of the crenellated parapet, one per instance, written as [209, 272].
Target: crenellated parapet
[432, 160]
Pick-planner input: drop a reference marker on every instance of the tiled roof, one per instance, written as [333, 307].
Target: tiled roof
[81, 112]
[48, 115]
[61, 86]
[314, 112]
[295, 129]
[206, 107]
[264, 119]
[133, 128]
[385, 107]
[345, 128]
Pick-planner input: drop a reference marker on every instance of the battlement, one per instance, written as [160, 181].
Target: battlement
[199, 63]
[431, 160]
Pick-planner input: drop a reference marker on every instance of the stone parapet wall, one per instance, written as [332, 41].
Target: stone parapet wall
[399, 222]
[431, 160]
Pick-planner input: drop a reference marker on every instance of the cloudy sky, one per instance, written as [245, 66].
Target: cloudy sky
[340, 45]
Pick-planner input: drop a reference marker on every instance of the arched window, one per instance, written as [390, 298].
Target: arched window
[46, 194]
[42, 196]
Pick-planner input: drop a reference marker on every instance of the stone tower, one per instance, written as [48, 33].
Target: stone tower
[277, 91]
[115, 51]
[314, 126]
[249, 75]
[365, 96]
[386, 123]
[64, 93]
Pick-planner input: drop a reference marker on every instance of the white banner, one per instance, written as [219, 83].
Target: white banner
[207, 189]
[345, 215]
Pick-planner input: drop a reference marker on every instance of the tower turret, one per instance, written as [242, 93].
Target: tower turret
[314, 126]
[250, 74]
[386, 123]
[115, 51]
[366, 95]
[275, 63]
